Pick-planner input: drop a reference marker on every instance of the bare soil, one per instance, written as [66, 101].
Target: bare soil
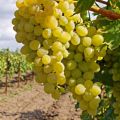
[32, 103]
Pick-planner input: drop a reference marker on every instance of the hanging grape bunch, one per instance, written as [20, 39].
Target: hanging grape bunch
[64, 51]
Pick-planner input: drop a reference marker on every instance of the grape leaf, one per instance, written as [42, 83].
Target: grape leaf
[84, 5]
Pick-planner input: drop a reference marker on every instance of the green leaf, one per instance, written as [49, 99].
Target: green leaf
[84, 5]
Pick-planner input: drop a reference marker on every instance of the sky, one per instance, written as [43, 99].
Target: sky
[7, 34]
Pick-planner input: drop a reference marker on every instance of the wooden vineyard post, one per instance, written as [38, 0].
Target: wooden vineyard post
[19, 74]
[7, 74]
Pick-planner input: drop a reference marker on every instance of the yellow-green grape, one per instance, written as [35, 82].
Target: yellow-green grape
[83, 105]
[34, 45]
[83, 66]
[38, 62]
[63, 5]
[68, 13]
[38, 30]
[46, 59]
[63, 21]
[86, 41]
[47, 44]
[56, 94]
[94, 103]
[40, 79]
[95, 90]
[57, 46]
[67, 45]
[41, 52]
[76, 73]
[71, 65]
[75, 40]
[91, 31]
[57, 13]
[97, 40]
[81, 30]
[61, 80]
[87, 96]
[30, 37]
[51, 78]
[70, 26]
[78, 57]
[25, 50]
[47, 68]
[57, 32]
[67, 74]
[76, 18]
[72, 82]
[49, 88]
[15, 21]
[65, 53]
[89, 52]
[71, 55]
[88, 75]
[20, 37]
[59, 67]
[28, 27]
[46, 33]
[80, 89]
[80, 48]
[65, 37]
[92, 112]
[94, 67]
[20, 3]
[59, 56]
[51, 22]
[88, 84]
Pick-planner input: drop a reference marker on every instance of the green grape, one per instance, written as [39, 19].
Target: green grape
[28, 27]
[70, 26]
[57, 46]
[67, 74]
[63, 20]
[71, 55]
[78, 57]
[88, 75]
[89, 52]
[61, 80]
[64, 5]
[95, 90]
[75, 40]
[49, 88]
[48, 69]
[83, 105]
[51, 78]
[81, 30]
[65, 37]
[94, 103]
[34, 45]
[56, 94]
[81, 48]
[38, 30]
[86, 41]
[72, 82]
[38, 62]
[97, 40]
[59, 56]
[25, 50]
[87, 96]
[91, 31]
[41, 52]
[59, 67]
[57, 32]
[71, 65]
[46, 33]
[76, 73]
[46, 59]
[80, 89]
[88, 84]
[51, 22]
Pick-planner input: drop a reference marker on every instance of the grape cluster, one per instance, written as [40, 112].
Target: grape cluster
[64, 51]
[113, 63]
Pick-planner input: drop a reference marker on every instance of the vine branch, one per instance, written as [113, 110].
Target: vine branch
[107, 13]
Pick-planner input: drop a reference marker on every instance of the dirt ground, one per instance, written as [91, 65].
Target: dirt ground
[32, 103]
